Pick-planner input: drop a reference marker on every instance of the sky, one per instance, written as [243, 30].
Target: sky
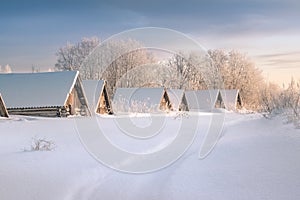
[268, 31]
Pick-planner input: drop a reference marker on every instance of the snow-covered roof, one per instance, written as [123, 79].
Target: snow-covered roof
[230, 98]
[175, 96]
[137, 99]
[92, 90]
[46, 89]
[202, 99]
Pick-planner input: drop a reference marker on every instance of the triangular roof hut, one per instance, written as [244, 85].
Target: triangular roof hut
[141, 100]
[204, 100]
[97, 97]
[47, 94]
[232, 99]
[178, 100]
[3, 110]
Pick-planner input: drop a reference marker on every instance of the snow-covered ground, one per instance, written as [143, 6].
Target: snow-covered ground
[255, 158]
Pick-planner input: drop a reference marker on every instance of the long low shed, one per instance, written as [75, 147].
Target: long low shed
[48, 94]
[141, 100]
[204, 100]
[3, 110]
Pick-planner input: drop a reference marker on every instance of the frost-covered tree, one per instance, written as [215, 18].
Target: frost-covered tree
[129, 54]
[219, 60]
[147, 75]
[181, 67]
[6, 69]
[71, 56]
[219, 69]
[270, 98]
[291, 102]
[276, 100]
[108, 60]
[239, 72]
[188, 70]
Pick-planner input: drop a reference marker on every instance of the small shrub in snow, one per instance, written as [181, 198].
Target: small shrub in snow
[291, 100]
[290, 117]
[40, 144]
[245, 111]
[276, 101]
[181, 114]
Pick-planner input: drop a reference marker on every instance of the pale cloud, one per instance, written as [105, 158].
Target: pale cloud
[31, 31]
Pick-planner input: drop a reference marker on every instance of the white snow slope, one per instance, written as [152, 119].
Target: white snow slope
[255, 158]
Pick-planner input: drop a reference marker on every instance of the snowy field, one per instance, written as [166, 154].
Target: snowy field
[255, 158]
